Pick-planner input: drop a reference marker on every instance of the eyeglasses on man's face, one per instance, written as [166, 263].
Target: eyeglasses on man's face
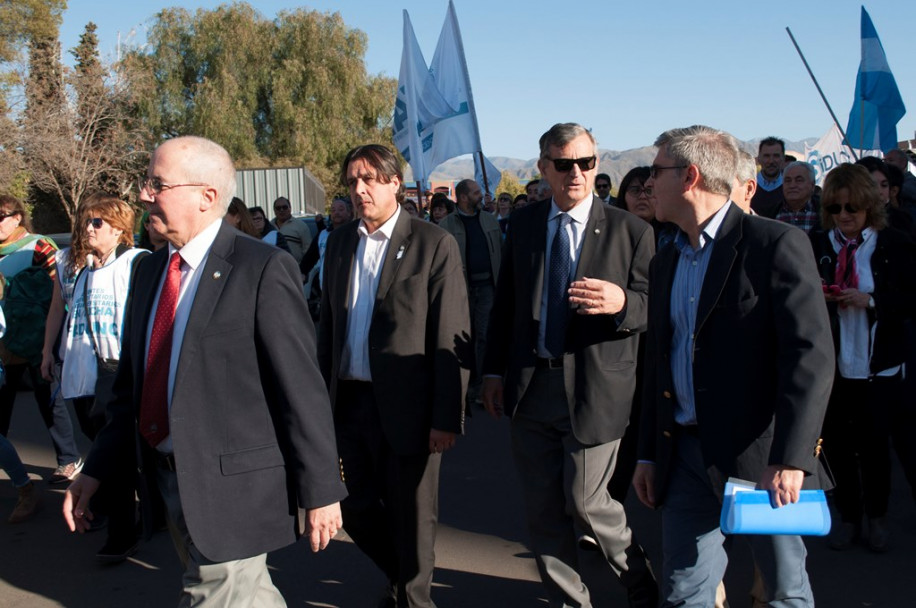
[655, 169]
[155, 186]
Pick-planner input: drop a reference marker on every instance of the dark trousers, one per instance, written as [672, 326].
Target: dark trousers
[55, 416]
[480, 301]
[857, 444]
[116, 497]
[392, 508]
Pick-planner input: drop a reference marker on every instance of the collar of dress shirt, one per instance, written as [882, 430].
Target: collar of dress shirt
[386, 229]
[709, 232]
[195, 250]
[579, 213]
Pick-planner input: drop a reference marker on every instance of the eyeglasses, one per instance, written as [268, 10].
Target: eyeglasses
[155, 186]
[835, 209]
[654, 169]
[281, 207]
[95, 222]
[565, 165]
[602, 186]
[3, 216]
[639, 190]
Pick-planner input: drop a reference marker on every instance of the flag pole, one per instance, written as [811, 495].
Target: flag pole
[823, 97]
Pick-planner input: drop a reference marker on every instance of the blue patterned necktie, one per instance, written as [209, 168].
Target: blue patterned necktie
[557, 297]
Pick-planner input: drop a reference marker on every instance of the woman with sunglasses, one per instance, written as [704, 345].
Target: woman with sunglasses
[869, 272]
[29, 258]
[92, 346]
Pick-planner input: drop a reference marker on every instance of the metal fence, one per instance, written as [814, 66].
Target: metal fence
[261, 187]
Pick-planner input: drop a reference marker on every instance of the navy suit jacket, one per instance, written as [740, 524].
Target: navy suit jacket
[763, 354]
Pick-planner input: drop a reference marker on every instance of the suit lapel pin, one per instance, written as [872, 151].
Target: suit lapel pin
[597, 231]
[217, 274]
[400, 253]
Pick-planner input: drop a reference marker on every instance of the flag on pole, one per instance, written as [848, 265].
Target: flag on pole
[417, 108]
[878, 106]
[457, 134]
[494, 176]
[830, 151]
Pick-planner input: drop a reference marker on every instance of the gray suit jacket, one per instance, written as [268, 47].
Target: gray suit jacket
[600, 364]
[419, 349]
[250, 421]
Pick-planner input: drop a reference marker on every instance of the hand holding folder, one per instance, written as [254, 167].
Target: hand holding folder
[746, 510]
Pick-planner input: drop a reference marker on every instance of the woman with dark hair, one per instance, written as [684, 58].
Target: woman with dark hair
[92, 347]
[441, 206]
[28, 259]
[634, 197]
[868, 273]
[896, 218]
[239, 217]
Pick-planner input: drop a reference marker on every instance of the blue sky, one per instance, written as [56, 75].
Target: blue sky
[628, 70]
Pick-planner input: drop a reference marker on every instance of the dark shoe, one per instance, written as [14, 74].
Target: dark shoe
[842, 536]
[644, 593]
[878, 534]
[27, 504]
[115, 551]
[587, 543]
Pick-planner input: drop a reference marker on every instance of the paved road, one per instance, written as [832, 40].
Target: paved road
[482, 560]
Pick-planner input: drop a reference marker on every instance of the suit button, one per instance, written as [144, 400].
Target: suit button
[667, 394]
[667, 434]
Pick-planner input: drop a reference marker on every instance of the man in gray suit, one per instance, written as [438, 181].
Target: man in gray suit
[393, 347]
[561, 360]
[219, 394]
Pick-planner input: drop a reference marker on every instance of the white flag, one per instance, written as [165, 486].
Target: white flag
[457, 134]
[418, 106]
[830, 151]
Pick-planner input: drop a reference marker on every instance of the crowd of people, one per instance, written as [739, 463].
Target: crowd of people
[722, 316]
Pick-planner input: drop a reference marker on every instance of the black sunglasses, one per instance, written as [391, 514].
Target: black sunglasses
[95, 222]
[835, 209]
[564, 165]
[3, 216]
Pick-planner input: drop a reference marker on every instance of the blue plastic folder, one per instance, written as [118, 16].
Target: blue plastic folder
[749, 511]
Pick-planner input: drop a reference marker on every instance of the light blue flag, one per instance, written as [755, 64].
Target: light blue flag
[456, 134]
[494, 176]
[878, 106]
[417, 107]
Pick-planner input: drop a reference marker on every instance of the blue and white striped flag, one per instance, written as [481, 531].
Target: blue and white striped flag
[878, 106]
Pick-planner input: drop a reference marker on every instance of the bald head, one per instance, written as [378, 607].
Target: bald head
[204, 162]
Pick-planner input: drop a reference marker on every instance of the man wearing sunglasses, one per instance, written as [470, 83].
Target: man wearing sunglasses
[603, 189]
[561, 360]
[218, 394]
[738, 369]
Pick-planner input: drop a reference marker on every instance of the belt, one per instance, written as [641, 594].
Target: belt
[688, 429]
[542, 363]
[165, 461]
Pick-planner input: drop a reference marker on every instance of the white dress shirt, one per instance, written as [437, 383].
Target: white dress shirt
[576, 229]
[364, 279]
[193, 257]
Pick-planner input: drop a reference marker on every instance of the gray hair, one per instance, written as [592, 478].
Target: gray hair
[209, 164]
[561, 134]
[713, 152]
[747, 166]
[800, 163]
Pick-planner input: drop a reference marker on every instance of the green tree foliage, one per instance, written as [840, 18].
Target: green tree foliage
[289, 91]
[509, 183]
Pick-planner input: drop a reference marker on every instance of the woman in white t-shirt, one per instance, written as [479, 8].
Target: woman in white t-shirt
[91, 347]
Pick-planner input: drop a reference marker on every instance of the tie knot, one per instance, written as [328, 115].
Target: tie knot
[564, 219]
[175, 262]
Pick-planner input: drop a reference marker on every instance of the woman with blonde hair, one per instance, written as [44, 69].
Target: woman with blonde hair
[92, 347]
[868, 271]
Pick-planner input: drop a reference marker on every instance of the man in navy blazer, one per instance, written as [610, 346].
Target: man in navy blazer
[561, 360]
[248, 441]
[738, 370]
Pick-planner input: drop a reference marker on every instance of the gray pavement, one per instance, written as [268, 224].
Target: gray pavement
[481, 557]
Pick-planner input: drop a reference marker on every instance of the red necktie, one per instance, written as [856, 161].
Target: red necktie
[154, 403]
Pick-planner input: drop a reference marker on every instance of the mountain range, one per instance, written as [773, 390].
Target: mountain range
[615, 163]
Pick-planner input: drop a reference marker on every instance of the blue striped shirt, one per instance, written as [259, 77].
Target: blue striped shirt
[685, 296]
